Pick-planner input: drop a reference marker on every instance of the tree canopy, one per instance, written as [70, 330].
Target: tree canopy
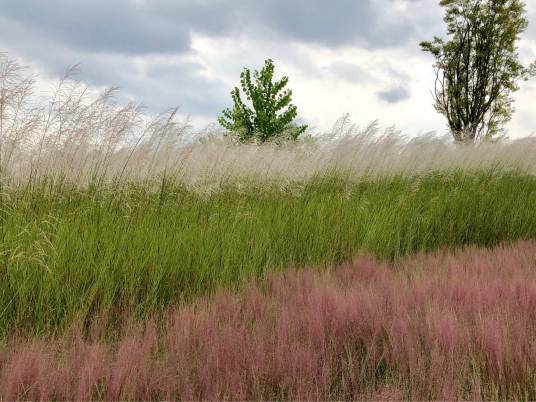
[271, 115]
[477, 68]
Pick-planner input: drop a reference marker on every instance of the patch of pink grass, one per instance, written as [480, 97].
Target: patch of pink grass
[443, 326]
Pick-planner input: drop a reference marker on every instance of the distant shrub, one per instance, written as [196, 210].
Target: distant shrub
[272, 116]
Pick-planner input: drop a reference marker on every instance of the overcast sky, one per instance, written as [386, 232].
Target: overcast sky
[355, 56]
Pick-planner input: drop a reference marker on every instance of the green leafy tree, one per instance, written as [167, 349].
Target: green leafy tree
[272, 114]
[477, 68]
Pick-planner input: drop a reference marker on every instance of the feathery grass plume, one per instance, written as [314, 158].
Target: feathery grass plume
[80, 137]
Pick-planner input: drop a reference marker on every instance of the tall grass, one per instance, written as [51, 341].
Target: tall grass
[76, 135]
[70, 253]
[105, 209]
[432, 327]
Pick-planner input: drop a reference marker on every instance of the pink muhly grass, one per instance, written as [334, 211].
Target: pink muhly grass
[449, 325]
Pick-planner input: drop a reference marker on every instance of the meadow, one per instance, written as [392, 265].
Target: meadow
[71, 253]
[134, 248]
[443, 326]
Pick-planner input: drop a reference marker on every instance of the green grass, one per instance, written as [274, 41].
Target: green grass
[71, 253]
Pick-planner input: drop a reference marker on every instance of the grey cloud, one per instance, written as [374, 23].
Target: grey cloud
[109, 37]
[159, 87]
[160, 26]
[349, 72]
[394, 95]
[185, 86]
[58, 33]
[344, 22]
[101, 26]
[162, 86]
[212, 17]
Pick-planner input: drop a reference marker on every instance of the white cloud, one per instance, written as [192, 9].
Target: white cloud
[361, 56]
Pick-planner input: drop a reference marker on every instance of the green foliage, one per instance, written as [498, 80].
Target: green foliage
[272, 115]
[70, 252]
[478, 68]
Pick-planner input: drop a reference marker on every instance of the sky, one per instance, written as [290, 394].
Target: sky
[360, 57]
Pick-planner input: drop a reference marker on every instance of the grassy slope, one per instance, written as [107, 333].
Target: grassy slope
[71, 252]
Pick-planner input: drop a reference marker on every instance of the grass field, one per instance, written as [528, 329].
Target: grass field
[70, 253]
[137, 262]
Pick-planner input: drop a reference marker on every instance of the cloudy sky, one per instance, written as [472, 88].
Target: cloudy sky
[355, 56]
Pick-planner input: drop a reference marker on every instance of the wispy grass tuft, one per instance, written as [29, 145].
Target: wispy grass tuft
[80, 137]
